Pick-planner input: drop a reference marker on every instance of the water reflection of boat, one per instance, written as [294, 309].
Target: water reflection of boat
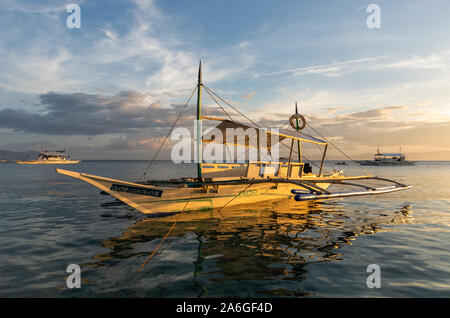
[229, 184]
[265, 242]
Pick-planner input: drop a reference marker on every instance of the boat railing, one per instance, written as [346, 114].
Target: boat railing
[253, 169]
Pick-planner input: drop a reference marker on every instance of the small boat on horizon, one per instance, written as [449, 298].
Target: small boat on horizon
[46, 157]
[387, 159]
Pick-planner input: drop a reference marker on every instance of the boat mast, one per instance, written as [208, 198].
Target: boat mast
[299, 147]
[199, 121]
[292, 146]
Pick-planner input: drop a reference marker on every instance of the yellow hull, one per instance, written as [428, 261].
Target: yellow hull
[47, 162]
[178, 198]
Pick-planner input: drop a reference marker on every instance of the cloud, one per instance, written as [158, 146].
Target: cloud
[135, 123]
[142, 52]
[437, 60]
[90, 114]
[324, 68]
[360, 132]
[51, 8]
[371, 114]
[431, 61]
[249, 95]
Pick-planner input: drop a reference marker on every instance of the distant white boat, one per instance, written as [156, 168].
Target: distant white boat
[49, 157]
[387, 159]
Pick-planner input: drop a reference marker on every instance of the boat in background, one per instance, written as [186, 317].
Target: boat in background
[387, 159]
[49, 157]
[228, 184]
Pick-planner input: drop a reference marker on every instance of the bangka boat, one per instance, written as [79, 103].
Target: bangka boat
[49, 157]
[217, 185]
[387, 159]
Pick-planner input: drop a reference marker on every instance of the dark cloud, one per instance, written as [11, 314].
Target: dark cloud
[139, 124]
[90, 114]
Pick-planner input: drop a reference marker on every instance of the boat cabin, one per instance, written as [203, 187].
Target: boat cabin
[49, 155]
[389, 157]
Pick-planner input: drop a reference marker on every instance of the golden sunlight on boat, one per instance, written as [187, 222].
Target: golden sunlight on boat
[227, 184]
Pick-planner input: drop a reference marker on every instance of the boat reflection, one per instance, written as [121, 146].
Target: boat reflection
[269, 242]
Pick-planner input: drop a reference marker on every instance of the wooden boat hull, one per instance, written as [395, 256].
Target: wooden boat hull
[181, 198]
[47, 162]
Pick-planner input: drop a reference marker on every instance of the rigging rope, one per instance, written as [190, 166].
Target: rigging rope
[219, 105]
[231, 106]
[337, 148]
[235, 109]
[170, 131]
[309, 160]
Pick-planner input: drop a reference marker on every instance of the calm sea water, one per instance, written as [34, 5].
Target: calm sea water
[284, 248]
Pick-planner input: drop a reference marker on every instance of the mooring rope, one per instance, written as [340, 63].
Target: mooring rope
[173, 226]
[162, 241]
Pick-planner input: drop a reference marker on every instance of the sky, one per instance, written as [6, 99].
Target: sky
[112, 88]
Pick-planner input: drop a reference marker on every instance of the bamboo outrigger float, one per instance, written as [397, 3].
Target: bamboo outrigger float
[227, 184]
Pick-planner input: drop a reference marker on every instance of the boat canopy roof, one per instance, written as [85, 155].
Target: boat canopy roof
[53, 153]
[254, 132]
[390, 154]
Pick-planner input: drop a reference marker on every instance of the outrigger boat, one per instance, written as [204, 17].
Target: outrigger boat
[228, 184]
[49, 157]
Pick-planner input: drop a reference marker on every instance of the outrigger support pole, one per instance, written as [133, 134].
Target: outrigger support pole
[290, 159]
[323, 159]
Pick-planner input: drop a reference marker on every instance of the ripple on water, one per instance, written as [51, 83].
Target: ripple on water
[283, 248]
